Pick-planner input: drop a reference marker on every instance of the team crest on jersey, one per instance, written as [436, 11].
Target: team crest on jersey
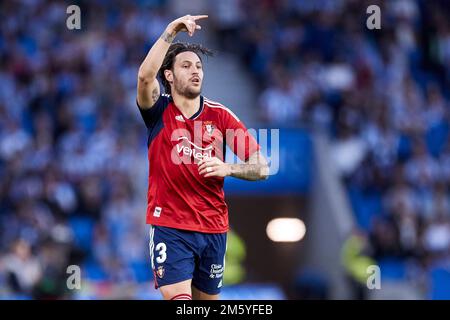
[209, 127]
[160, 271]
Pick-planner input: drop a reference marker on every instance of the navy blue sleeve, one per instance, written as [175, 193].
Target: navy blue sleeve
[152, 115]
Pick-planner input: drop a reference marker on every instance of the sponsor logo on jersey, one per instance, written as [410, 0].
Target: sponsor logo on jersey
[192, 150]
[179, 118]
[216, 271]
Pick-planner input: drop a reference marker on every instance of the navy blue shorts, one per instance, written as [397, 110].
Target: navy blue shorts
[177, 255]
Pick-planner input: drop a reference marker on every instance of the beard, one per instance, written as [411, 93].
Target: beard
[186, 90]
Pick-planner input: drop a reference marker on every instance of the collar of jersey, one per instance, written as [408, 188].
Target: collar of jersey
[195, 115]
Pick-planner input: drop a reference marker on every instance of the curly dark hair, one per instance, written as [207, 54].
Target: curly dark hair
[174, 50]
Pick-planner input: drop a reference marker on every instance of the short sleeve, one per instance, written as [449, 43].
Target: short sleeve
[153, 114]
[238, 138]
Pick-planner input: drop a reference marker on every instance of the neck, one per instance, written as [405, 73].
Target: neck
[188, 107]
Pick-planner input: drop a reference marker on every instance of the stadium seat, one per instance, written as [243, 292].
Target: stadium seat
[141, 271]
[439, 284]
[82, 228]
[392, 269]
[436, 138]
[92, 271]
[366, 206]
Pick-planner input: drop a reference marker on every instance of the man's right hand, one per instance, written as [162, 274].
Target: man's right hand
[186, 23]
[148, 90]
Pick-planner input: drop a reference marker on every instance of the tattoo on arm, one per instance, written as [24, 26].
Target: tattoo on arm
[254, 169]
[247, 171]
[155, 95]
[167, 37]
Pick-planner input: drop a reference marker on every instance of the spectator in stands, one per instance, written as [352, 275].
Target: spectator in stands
[21, 268]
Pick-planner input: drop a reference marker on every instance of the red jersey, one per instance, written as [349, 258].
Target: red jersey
[178, 196]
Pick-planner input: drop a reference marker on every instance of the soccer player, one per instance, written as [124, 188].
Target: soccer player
[187, 133]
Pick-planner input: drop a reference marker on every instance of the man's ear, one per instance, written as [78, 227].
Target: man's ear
[169, 75]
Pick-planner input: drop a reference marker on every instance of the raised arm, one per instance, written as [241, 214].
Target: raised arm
[148, 89]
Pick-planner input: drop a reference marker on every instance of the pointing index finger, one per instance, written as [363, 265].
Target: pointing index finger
[202, 16]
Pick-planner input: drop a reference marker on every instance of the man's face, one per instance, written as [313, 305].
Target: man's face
[187, 75]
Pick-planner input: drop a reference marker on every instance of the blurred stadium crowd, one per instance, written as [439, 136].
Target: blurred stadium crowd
[72, 142]
[382, 95]
[72, 146]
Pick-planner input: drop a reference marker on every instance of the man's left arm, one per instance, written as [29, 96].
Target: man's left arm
[255, 168]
